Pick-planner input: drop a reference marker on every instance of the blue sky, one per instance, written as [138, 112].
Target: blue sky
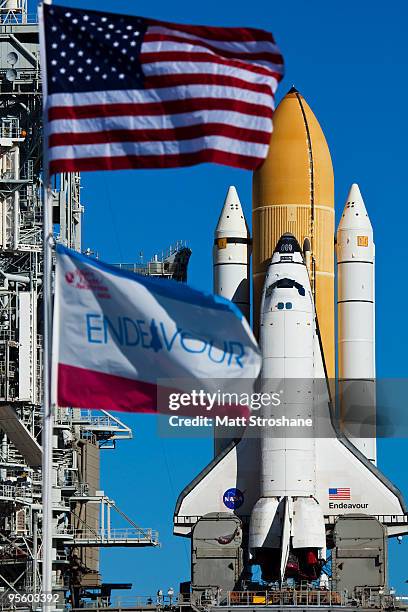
[349, 60]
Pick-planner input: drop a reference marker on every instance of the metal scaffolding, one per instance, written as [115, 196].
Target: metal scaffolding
[81, 512]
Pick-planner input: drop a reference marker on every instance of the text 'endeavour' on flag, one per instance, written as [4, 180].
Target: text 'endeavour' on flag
[129, 92]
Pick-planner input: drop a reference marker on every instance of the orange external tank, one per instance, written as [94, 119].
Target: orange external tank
[293, 191]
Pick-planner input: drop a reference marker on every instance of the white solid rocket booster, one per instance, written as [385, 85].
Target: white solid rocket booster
[231, 254]
[356, 320]
[231, 261]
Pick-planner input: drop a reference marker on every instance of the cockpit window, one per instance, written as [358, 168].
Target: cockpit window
[286, 283]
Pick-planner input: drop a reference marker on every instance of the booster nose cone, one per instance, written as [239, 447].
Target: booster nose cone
[355, 214]
[232, 220]
[287, 243]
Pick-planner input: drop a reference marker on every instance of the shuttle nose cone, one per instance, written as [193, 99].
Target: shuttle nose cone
[287, 244]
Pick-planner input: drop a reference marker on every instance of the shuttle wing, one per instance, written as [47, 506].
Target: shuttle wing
[348, 483]
[228, 484]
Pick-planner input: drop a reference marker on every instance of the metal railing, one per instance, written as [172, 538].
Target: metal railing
[137, 601]
[146, 601]
[188, 520]
[68, 479]
[22, 76]
[87, 418]
[274, 598]
[286, 597]
[10, 129]
[27, 170]
[13, 491]
[106, 426]
[112, 535]
[386, 519]
[82, 490]
[89, 537]
[6, 333]
[152, 268]
[13, 17]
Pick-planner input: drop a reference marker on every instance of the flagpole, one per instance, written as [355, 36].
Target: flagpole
[48, 417]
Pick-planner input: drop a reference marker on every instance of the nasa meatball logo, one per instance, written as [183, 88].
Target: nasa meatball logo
[233, 498]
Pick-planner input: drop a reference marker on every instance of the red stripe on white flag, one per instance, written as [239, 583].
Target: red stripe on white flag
[158, 135]
[128, 162]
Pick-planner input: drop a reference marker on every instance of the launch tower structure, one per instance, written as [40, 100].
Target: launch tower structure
[81, 510]
[170, 265]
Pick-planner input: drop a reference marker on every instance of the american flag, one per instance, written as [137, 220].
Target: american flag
[129, 92]
[339, 493]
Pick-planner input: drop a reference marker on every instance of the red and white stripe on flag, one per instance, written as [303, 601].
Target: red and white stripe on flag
[206, 94]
